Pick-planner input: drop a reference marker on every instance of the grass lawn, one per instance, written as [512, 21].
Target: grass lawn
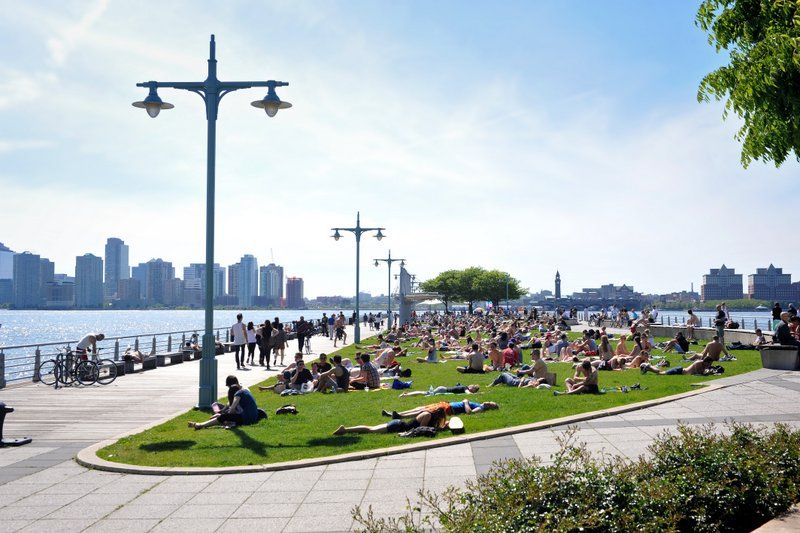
[309, 433]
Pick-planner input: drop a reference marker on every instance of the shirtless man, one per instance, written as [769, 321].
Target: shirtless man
[713, 350]
[495, 356]
[691, 323]
[698, 368]
[538, 369]
[88, 344]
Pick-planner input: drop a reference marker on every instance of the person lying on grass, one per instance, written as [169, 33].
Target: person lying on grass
[698, 368]
[584, 381]
[393, 426]
[713, 350]
[241, 411]
[435, 391]
[509, 379]
[463, 407]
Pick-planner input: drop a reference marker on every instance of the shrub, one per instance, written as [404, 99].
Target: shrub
[695, 480]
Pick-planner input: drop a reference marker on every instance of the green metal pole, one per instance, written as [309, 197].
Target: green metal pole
[358, 261]
[389, 315]
[208, 364]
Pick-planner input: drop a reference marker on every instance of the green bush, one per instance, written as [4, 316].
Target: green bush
[695, 480]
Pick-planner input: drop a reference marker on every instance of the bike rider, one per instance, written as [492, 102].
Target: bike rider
[88, 344]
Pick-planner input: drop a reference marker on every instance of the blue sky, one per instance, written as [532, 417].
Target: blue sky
[525, 136]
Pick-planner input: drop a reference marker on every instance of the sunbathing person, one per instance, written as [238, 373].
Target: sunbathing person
[463, 407]
[509, 379]
[713, 350]
[133, 355]
[584, 381]
[432, 356]
[622, 346]
[233, 415]
[337, 378]
[604, 350]
[434, 391]
[437, 419]
[698, 368]
[538, 369]
[475, 361]
[680, 344]
[495, 356]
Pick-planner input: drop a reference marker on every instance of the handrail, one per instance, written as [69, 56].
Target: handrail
[62, 343]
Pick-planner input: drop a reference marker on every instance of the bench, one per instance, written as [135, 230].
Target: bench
[190, 355]
[228, 346]
[780, 357]
[149, 363]
[120, 367]
[169, 358]
[4, 410]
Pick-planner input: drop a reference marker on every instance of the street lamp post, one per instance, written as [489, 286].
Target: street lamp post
[508, 277]
[389, 262]
[357, 231]
[211, 91]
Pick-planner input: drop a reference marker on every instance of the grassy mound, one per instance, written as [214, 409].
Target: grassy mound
[308, 434]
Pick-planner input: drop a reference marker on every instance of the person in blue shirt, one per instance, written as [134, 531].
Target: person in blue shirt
[242, 410]
[465, 407]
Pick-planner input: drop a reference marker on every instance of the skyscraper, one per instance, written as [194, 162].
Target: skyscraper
[294, 293]
[770, 284]
[233, 280]
[117, 267]
[88, 281]
[721, 284]
[194, 278]
[47, 272]
[271, 286]
[139, 273]
[27, 280]
[248, 280]
[6, 262]
[159, 272]
[558, 286]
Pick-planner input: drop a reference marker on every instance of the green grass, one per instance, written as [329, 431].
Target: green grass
[308, 434]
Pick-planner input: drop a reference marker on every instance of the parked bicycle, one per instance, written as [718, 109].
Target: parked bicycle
[65, 369]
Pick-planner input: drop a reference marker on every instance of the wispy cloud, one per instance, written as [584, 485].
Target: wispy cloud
[71, 34]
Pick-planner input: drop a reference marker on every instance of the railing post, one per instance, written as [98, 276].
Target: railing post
[153, 349]
[2, 370]
[37, 362]
[227, 335]
[136, 344]
[668, 321]
[755, 323]
[169, 343]
[217, 335]
[183, 340]
[116, 350]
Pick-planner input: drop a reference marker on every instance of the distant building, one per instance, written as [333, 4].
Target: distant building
[233, 280]
[721, 284]
[294, 293]
[271, 283]
[47, 272]
[194, 278]
[248, 280]
[88, 281]
[27, 281]
[59, 294]
[173, 292]
[159, 272]
[129, 292]
[139, 273]
[770, 284]
[6, 262]
[116, 266]
[6, 291]
[558, 285]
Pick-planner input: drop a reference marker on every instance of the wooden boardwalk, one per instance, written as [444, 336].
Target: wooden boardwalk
[80, 414]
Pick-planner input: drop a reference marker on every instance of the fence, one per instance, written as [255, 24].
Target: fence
[754, 323]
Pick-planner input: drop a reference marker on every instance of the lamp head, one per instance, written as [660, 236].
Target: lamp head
[402, 263]
[376, 262]
[153, 103]
[379, 235]
[271, 103]
[336, 236]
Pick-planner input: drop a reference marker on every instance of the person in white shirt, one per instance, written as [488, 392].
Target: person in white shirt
[88, 344]
[239, 337]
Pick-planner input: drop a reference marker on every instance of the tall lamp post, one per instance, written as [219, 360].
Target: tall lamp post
[389, 262]
[357, 231]
[211, 91]
[508, 278]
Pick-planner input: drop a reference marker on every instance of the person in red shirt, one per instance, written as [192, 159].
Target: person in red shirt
[509, 355]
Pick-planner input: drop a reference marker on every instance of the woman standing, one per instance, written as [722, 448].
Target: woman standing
[251, 343]
[264, 342]
[278, 341]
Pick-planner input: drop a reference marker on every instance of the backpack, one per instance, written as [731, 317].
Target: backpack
[420, 431]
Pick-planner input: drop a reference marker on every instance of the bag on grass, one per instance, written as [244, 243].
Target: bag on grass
[398, 384]
[420, 431]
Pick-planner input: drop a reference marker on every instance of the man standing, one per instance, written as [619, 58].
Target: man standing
[88, 344]
[331, 325]
[302, 332]
[776, 315]
[239, 337]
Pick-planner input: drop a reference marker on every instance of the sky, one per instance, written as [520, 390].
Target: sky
[528, 136]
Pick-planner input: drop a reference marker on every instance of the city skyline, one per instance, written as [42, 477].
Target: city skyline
[562, 120]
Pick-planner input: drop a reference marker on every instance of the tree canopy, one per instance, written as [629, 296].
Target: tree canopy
[473, 284]
[761, 82]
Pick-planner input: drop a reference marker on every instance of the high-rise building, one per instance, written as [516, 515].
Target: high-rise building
[294, 293]
[233, 280]
[770, 284]
[129, 292]
[173, 292]
[117, 266]
[6, 262]
[139, 273]
[248, 280]
[59, 294]
[558, 285]
[159, 272]
[27, 281]
[6, 291]
[194, 278]
[88, 281]
[47, 272]
[721, 284]
[271, 283]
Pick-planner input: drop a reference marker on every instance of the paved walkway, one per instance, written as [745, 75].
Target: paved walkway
[71, 498]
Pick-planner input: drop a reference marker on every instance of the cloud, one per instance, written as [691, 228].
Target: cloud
[70, 35]
[12, 146]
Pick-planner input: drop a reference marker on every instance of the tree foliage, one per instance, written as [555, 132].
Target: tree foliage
[472, 285]
[761, 82]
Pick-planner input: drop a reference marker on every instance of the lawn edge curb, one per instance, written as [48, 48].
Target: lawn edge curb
[88, 458]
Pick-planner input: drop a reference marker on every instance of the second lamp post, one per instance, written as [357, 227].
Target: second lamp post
[389, 262]
[357, 231]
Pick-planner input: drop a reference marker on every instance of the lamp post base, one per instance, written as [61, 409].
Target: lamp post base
[208, 374]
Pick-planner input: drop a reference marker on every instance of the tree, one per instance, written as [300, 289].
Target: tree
[762, 80]
[491, 286]
[467, 287]
[445, 284]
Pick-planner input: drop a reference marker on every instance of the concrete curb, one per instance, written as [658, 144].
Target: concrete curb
[89, 459]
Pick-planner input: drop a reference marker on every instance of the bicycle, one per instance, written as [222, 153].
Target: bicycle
[106, 369]
[65, 370]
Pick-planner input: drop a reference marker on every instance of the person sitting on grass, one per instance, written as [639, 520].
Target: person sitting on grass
[463, 407]
[368, 376]
[604, 350]
[538, 369]
[584, 381]
[760, 340]
[387, 356]
[622, 345]
[437, 419]
[680, 344]
[432, 356]
[713, 350]
[435, 391]
[242, 410]
[698, 368]
[336, 378]
[510, 356]
[495, 356]
[474, 362]
[640, 358]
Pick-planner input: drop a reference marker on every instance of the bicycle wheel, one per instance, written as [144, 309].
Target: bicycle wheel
[86, 372]
[107, 371]
[48, 372]
[66, 373]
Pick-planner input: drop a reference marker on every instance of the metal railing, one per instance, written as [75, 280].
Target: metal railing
[20, 363]
[765, 324]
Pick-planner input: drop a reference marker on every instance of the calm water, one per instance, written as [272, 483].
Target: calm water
[29, 327]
